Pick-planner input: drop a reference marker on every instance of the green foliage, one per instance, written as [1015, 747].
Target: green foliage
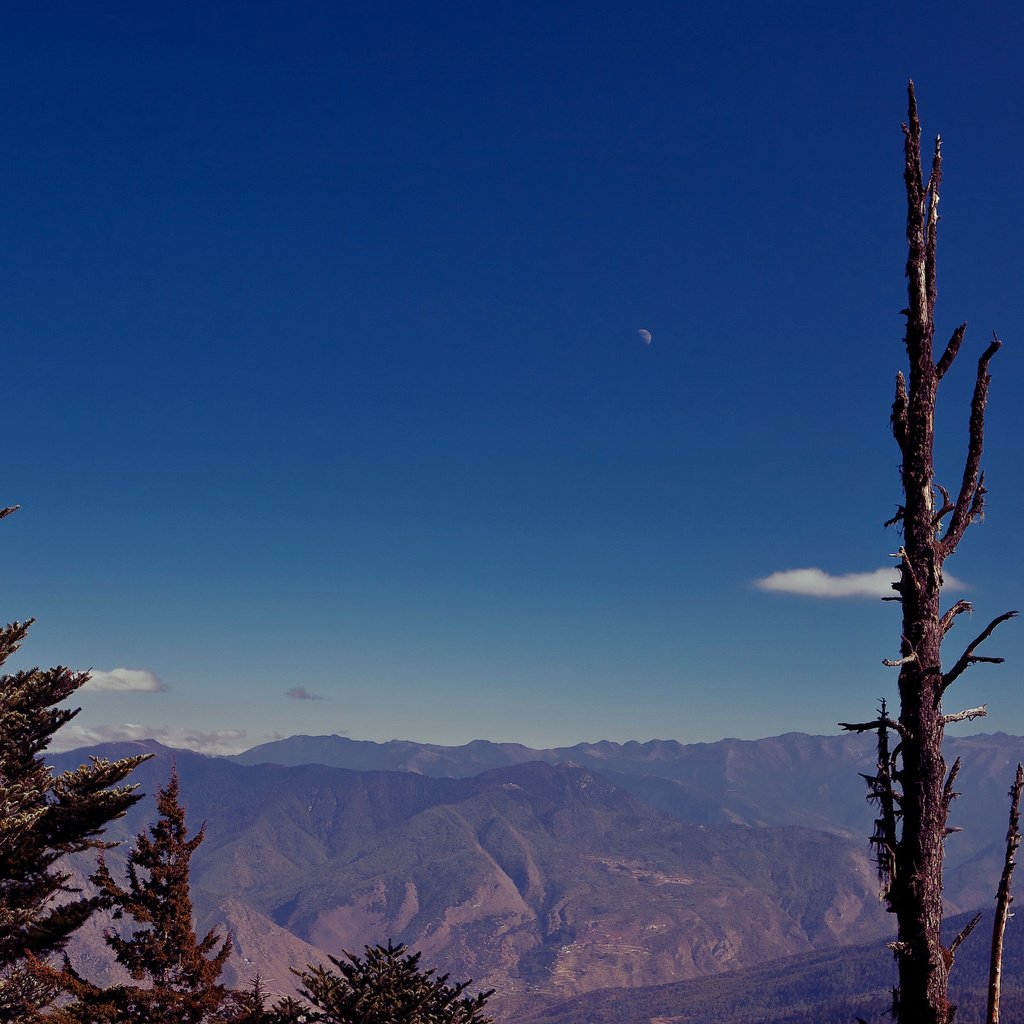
[386, 986]
[43, 818]
[181, 970]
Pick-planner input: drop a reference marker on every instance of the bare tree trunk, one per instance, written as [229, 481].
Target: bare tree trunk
[915, 782]
[1003, 900]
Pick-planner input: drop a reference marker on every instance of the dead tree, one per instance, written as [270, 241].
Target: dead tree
[913, 787]
[1003, 901]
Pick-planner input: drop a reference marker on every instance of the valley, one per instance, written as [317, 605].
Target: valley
[550, 876]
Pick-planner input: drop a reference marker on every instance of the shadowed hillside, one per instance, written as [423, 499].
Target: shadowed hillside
[818, 988]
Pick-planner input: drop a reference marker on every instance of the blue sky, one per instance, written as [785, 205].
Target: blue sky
[323, 374]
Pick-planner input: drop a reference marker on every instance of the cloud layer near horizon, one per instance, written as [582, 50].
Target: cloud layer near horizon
[814, 582]
[123, 680]
[215, 741]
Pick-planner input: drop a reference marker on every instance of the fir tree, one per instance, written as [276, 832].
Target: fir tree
[385, 987]
[248, 1006]
[44, 817]
[182, 970]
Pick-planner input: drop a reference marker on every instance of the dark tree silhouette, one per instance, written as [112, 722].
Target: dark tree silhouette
[912, 785]
[181, 970]
[386, 986]
[44, 817]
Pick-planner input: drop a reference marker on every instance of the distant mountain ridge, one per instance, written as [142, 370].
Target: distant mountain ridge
[540, 880]
[793, 779]
[557, 873]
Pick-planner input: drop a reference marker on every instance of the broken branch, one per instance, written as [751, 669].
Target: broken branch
[951, 350]
[964, 932]
[966, 716]
[906, 570]
[906, 660]
[900, 513]
[946, 622]
[948, 795]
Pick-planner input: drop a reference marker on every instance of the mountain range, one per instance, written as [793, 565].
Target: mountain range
[549, 875]
[793, 779]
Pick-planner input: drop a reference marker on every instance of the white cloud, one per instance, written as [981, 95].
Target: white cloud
[301, 693]
[123, 680]
[816, 582]
[214, 741]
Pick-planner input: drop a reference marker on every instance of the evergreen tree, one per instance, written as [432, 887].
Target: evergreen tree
[248, 1006]
[44, 817]
[181, 969]
[385, 987]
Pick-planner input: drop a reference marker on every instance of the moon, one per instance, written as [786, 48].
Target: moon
[645, 335]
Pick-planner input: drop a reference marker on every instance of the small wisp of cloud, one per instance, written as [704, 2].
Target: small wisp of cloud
[301, 693]
[212, 741]
[814, 582]
[124, 680]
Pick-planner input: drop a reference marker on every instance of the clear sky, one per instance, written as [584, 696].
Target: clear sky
[323, 376]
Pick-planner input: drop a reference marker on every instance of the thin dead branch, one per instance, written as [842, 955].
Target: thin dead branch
[945, 508]
[970, 502]
[878, 723]
[969, 658]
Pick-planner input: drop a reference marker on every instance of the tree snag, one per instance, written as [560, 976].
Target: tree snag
[912, 787]
[1003, 900]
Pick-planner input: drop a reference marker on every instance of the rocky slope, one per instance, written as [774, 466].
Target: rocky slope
[542, 881]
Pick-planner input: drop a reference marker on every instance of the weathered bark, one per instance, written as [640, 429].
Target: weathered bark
[1003, 900]
[914, 788]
